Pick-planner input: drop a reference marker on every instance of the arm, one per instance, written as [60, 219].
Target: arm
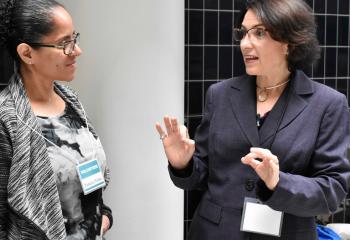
[195, 175]
[5, 160]
[327, 181]
[107, 217]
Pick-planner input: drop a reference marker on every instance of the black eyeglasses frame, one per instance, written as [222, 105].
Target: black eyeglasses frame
[63, 46]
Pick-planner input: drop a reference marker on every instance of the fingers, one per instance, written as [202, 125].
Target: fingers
[172, 127]
[183, 131]
[105, 224]
[264, 154]
[252, 160]
[167, 124]
[265, 165]
[259, 156]
[160, 130]
[189, 142]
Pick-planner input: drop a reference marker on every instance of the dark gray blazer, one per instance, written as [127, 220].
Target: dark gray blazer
[310, 143]
[29, 202]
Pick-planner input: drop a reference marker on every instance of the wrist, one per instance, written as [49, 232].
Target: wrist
[179, 167]
[272, 186]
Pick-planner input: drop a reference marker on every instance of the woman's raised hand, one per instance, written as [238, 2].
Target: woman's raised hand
[178, 147]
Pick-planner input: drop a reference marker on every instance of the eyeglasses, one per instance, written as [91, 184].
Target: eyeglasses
[67, 46]
[257, 33]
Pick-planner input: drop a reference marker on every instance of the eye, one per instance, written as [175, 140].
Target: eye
[259, 32]
[239, 33]
[64, 44]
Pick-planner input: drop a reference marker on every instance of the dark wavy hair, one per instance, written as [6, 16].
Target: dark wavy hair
[23, 21]
[291, 22]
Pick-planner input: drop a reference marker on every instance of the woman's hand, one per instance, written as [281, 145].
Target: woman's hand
[267, 168]
[178, 147]
[105, 224]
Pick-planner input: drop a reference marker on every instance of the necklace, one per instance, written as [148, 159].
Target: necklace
[263, 94]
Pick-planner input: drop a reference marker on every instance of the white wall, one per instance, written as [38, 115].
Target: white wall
[130, 74]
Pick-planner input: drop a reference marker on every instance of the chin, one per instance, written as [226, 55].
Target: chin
[250, 72]
[66, 79]
[253, 70]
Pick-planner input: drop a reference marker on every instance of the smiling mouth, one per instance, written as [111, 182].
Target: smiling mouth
[71, 64]
[250, 58]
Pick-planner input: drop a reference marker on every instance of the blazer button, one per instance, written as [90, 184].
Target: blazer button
[249, 185]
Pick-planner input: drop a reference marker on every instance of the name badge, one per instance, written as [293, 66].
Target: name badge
[260, 218]
[90, 175]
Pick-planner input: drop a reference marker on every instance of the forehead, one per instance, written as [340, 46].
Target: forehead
[250, 19]
[63, 25]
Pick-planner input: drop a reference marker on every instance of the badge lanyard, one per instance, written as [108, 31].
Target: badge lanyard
[89, 172]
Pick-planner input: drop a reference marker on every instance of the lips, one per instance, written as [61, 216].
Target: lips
[250, 58]
[71, 64]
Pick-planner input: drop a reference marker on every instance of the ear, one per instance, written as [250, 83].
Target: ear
[286, 49]
[25, 53]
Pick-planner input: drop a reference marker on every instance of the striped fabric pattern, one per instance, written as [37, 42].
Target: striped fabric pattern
[29, 202]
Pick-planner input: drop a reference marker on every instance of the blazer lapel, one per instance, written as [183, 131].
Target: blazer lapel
[69, 96]
[243, 102]
[271, 122]
[300, 85]
[71, 100]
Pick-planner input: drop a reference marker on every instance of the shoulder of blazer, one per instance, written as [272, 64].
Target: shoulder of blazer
[323, 93]
[8, 117]
[5, 97]
[327, 91]
[235, 82]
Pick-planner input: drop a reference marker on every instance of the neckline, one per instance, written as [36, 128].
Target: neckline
[55, 116]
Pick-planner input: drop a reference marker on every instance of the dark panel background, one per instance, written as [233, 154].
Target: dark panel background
[210, 56]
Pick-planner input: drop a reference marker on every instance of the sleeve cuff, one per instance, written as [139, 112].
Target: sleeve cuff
[262, 191]
[107, 212]
[183, 173]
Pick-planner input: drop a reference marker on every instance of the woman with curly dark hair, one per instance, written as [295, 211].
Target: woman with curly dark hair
[269, 153]
[52, 164]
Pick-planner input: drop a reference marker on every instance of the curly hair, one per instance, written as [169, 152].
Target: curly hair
[291, 22]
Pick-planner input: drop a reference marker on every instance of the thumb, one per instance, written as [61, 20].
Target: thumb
[189, 141]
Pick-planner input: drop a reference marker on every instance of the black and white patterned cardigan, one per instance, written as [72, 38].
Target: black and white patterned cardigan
[29, 201]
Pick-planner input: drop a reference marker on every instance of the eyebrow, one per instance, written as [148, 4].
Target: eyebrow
[254, 26]
[67, 37]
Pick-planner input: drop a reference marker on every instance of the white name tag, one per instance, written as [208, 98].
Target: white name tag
[260, 218]
[90, 175]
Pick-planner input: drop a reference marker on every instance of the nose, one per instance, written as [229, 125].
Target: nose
[77, 50]
[245, 42]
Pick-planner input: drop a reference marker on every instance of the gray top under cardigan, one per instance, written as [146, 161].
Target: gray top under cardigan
[29, 201]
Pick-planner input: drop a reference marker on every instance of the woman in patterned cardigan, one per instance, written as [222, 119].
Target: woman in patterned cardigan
[45, 135]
